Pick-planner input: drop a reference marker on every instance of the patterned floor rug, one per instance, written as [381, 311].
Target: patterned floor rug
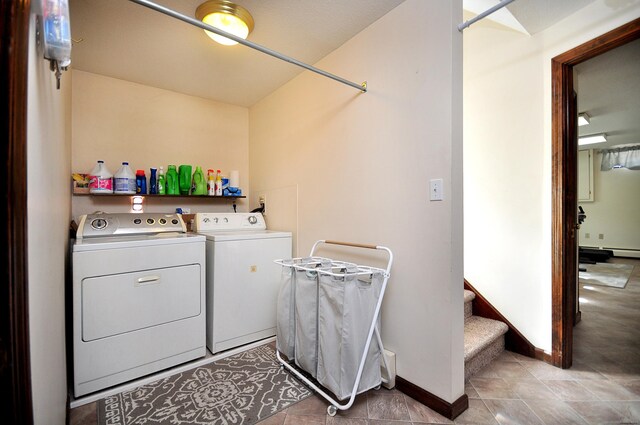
[241, 389]
[606, 274]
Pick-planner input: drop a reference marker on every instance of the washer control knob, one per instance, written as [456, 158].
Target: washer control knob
[206, 220]
[174, 221]
[98, 223]
[162, 221]
[137, 221]
[253, 219]
[226, 220]
[150, 221]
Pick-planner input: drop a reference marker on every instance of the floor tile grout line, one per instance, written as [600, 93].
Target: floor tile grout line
[495, 418]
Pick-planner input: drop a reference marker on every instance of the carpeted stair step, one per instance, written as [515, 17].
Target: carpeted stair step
[483, 342]
[469, 296]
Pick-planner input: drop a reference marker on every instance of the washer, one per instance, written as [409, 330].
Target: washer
[242, 279]
[138, 297]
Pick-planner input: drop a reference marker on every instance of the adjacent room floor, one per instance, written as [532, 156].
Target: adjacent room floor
[602, 387]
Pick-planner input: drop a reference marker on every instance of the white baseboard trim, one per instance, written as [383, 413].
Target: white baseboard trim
[632, 253]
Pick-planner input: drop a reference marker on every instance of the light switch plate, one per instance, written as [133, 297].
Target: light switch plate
[436, 189]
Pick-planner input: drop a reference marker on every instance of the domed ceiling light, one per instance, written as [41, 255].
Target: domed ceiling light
[227, 16]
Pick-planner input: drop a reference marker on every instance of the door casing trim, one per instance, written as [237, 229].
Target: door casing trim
[563, 214]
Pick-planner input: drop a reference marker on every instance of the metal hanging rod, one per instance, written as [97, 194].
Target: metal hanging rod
[484, 14]
[158, 8]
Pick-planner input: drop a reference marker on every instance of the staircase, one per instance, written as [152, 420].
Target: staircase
[483, 338]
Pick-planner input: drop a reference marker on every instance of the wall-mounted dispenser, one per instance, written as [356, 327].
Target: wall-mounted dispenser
[56, 30]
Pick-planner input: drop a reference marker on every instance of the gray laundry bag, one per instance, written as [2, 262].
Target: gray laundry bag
[285, 320]
[346, 305]
[306, 314]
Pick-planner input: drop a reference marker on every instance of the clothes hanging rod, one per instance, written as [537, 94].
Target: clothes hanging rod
[484, 14]
[158, 8]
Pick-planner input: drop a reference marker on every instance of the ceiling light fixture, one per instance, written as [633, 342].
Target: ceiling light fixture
[592, 138]
[583, 119]
[226, 16]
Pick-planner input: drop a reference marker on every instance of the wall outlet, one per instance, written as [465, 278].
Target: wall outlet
[587, 235]
[601, 236]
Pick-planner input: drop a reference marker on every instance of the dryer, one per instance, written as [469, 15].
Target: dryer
[242, 279]
[138, 298]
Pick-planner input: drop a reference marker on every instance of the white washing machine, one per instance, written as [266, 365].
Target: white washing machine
[242, 279]
[138, 298]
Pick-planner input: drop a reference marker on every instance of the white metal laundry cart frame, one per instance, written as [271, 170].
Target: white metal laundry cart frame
[373, 328]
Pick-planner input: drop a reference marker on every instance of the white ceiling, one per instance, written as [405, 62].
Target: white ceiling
[527, 16]
[124, 40]
[538, 15]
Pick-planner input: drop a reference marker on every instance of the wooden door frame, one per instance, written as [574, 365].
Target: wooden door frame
[564, 168]
[15, 365]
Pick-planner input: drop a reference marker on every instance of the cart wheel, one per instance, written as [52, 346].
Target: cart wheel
[377, 387]
[332, 410]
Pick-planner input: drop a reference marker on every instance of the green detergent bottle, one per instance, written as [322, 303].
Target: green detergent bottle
[199, 185]
[173, 186]
[162, 185]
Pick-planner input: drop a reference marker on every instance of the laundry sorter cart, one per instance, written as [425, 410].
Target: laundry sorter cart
[328, 313]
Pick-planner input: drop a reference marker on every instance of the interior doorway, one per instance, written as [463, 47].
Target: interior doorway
[564, 186]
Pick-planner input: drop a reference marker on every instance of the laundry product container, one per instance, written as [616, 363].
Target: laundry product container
[346, 306]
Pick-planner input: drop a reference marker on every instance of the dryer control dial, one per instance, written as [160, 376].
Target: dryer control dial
[99, 223]
[252, 219]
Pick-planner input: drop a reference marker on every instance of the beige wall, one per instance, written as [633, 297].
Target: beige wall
[116, 120]
[48, 216]
[337, 164]
[615, 210]
[507, 155]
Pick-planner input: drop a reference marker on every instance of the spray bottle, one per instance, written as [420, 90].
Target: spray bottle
[219, 184]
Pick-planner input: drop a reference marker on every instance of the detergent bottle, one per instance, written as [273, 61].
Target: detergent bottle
[124, 180]
[141, 182]
[100, 179]
[153, 181]
[199, 185]
[162, 189]
[173, 185]
[219, 184]
[211, 183]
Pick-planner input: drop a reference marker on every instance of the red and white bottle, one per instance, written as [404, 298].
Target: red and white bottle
[100, 179]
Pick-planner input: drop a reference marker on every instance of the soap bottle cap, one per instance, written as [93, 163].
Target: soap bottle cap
[139, 172]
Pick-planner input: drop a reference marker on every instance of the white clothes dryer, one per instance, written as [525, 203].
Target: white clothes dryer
[138, 298]
[242, 279]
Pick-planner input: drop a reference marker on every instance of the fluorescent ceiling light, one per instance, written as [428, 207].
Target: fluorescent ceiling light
[583, 119]
[592, 138]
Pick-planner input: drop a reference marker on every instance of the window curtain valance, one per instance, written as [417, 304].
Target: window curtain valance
[622, 157]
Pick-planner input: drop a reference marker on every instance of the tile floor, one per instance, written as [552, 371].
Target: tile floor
[602, 387]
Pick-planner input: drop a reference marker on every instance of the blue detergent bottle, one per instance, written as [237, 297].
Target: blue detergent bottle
[153, 186]
[141, 182]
